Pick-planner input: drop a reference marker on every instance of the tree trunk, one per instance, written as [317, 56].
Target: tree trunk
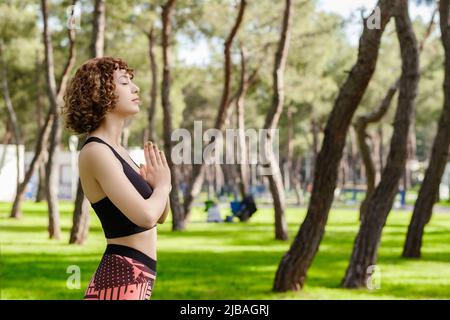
[244, 184]
[154, 86]
[375, 116]
[40, 157]
[55, 97]
[177, 213]
[80, 220]
[12, 117]
[315, 145]
[271, 122]
[80, 216]
[364, 149]
[379, 205]
[439, 154]
[98, 29]
[195, 183]
[289, 148]
[40, 192]
[296, 182]
[39, 153]
[291, 273]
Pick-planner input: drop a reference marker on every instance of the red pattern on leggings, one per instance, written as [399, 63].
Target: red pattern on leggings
[121, 278]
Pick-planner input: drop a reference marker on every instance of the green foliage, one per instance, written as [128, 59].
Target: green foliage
[320, 57]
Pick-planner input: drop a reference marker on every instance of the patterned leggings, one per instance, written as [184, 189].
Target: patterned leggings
[124, 273]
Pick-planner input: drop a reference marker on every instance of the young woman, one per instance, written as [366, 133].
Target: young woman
[129, 199]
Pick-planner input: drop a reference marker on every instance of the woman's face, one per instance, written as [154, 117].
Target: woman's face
[127, 92]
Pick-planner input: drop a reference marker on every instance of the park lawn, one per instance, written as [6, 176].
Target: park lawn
[223, 261]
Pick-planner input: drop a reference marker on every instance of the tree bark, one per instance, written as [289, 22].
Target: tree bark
[244, 184]
[288, 176]
[39, 153]
[272, 118]
[291, 273]
[154, 86]
[98, 29]
[54, 95]
[40, 193]
[177, 213]
[315, 130]
[379, 205]
[375, 116]
[297, 182]
[439, 155]
[364, 149]
[80, 217]
[12, 117]
[198, 171]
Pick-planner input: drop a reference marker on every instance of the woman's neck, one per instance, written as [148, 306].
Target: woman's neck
[110, 130]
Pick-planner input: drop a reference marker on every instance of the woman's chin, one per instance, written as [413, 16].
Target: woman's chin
[134, 109]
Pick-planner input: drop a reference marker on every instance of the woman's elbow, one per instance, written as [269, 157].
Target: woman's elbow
[149, 222]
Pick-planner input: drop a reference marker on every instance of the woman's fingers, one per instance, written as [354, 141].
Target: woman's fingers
[142, 170]
[163, 159]
[151, 154]
[147, 155]
[157, 155]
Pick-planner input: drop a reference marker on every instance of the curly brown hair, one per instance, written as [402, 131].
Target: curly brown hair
[90, 94]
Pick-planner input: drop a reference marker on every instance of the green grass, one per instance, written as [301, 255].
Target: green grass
[223, 261]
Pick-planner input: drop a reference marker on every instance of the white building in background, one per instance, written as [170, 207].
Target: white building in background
[8, 170]
[444, 191]
[68, 172]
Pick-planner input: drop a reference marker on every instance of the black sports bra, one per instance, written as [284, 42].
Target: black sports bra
[115, 224]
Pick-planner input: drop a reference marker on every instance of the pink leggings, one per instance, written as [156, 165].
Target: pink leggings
[124, 273]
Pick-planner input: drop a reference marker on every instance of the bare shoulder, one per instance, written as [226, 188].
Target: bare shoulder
[94, 156]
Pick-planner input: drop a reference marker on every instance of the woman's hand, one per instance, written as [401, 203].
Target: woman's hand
[156, 170]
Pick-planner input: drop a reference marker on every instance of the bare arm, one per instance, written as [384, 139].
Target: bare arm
[98, 160]
[156, 158]
[163, 218]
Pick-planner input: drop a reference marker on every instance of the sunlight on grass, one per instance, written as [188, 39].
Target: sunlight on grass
[223, 261]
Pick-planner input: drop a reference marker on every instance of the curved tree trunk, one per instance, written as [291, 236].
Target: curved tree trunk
[272, 118]
[297, 181]
[198, 171]
[439, 154]
[80, 217]
[244, 184]
[360, 127]
[11, 114]
[375, 116]
[291, 273]
[39, 152]
[367, 241]
[55, 97]
[154, 87]
[40, 193]
[177, 213]
[98, 29]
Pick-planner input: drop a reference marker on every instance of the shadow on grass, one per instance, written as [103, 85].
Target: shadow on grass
[226, 261]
